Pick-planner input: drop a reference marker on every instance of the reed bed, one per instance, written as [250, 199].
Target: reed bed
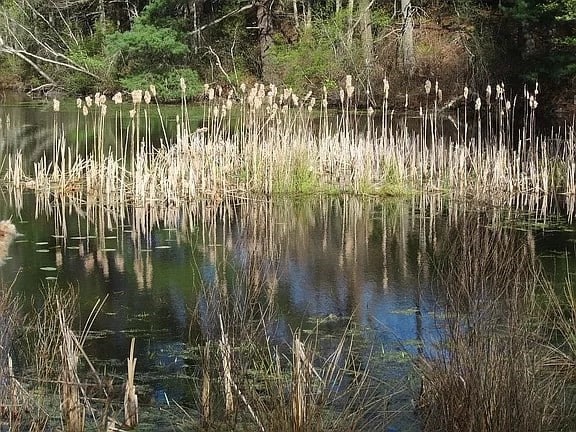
[496, 368]
[267, 140]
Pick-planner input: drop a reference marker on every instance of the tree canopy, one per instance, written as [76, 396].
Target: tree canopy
[82, 46]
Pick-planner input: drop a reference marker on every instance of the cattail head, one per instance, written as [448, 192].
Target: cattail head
[536, 89]
[427, 87]
[342, 95]
[153, 90]
[56, 105]
[182, 84]
[79, 103]
[436, 87]
[219, 90]
[466, 92]
[439, 95]
[421, 112]
[103, 109]
[295, 100]
[147, 97]
[533, 102]
[478, 104]
[132, 113]
[488, 92]
[243, 88]
[312, 102]
[117, 98]
[406, 101]
[348, 80]
[210, 94]
[97, 99]
[102, 99]
[88, 100]
[386, 88]
[136, 97]
[85, 110]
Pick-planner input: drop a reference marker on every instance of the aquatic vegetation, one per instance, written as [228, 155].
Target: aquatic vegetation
[496, 367]
[266, 140]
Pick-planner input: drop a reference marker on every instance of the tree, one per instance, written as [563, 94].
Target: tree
[407, 58]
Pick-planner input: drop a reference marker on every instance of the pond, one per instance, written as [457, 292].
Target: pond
[325, 266]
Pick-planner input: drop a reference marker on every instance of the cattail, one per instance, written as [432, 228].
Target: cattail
[436, 87]
[243, 88]
[117, 98]
[421, 112]
[219, 90]
[508, 105]
[210, 94]
[349, 91]
[536, 89]
[79, 103]
[103, 109]
[488, 92]
[56, 105]
[406, 101]
[136, 96]
[102, 99]
[88, 100]
[466, 92]
[478, 104]
[386, 88]
[85, 110]
[97, 99]
[147, 97]
[229, 103]
[294, 100]
[182, 85]
[215, 111]
[498, 92]
[439, 95]
[341, 95]
[427, 86]
[312, 102]
[153, 90]
[533, 102]
[348, 80]
[132, 113]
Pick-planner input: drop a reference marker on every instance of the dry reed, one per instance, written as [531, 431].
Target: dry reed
[265, 140]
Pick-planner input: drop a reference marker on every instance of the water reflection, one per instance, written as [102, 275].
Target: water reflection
[319, 261]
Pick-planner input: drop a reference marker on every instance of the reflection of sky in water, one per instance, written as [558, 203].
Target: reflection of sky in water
[367, 259]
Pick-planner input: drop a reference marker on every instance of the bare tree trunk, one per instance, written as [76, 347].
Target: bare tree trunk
[264, 20]
[407, 59]
[366, 29]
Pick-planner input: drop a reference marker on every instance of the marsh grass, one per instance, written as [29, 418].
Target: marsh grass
[266, 140]
[253, 376]
[496, 367]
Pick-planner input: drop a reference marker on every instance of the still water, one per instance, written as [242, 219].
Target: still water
[322, 262]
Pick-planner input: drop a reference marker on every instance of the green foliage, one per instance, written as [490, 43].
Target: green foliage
[167, 83]
[316, 58]
[146, 48]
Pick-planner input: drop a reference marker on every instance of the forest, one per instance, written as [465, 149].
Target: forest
[77, 47]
